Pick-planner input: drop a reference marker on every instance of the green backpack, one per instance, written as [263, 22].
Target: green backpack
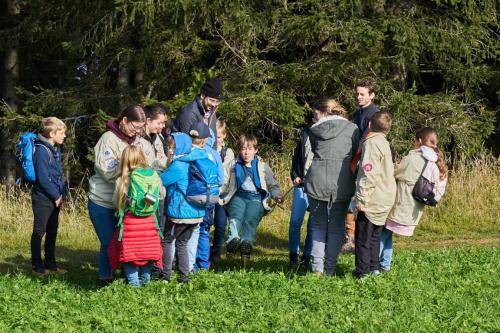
[143, 196]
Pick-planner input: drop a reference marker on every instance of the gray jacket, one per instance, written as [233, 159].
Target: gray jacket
[334, 141]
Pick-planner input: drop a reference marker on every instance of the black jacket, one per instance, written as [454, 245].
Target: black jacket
[299, 157]
[191, 114]
[363, 116]
[48, 170]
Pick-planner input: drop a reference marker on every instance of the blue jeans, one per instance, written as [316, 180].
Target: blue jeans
[203, 252]
[104, 222]
[299, 207]
[192, 248]
[220, 225]
[244, 218]
[385, 249]
[328, 230]
[137, 276]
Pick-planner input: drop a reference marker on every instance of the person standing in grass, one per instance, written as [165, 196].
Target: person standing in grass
[121, 132]
[425, 159]
[48, 193]
[182, 216]
[136, 245]
[301, 161]
[249, 184]
[329, 182]
[220, 217]
[365, 95]
[375, 194]
[156, 117]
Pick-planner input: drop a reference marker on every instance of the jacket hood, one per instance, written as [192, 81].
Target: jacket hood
[429, 154]
[329, 127]
[182, 143]
[196, 153]
[43, 140]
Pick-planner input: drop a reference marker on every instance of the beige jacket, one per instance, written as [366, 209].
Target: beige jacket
[107, 155]
[155, 153]
[267, 181]
[406, 210]
[375, 185]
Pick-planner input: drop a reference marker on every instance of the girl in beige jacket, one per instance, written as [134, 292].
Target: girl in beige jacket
[406, 212]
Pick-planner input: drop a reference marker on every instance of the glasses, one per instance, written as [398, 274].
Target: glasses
[136, 128]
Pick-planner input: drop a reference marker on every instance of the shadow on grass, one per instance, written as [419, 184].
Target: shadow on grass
[79, 264]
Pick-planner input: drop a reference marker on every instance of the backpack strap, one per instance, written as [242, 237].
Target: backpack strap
[120, 224]
[51, 155]
[423, 169]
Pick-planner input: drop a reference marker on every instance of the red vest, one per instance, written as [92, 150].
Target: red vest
[140, 243]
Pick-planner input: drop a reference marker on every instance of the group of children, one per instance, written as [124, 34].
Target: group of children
[155, 194]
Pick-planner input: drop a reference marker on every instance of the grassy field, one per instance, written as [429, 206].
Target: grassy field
[445, 278]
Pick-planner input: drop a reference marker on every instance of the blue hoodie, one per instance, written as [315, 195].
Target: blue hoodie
[175, 179]
[214, 156]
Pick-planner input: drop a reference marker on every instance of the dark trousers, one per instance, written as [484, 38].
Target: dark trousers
[162, 223]
[46, 222]
[220, 225]
[180, 233]
[367, 244]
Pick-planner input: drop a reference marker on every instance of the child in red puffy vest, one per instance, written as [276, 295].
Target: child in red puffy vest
[136, 244]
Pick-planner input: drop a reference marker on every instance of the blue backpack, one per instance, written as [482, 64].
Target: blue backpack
[25, 150]
[203, 186]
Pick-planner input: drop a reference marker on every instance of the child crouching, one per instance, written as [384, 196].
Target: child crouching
[136, 244]
[249, 182]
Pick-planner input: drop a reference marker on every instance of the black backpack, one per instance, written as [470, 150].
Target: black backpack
[423, 191]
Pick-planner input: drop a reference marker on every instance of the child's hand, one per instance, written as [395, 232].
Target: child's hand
[359, 208]
[279, 199]
[297, 181]
[58, 202]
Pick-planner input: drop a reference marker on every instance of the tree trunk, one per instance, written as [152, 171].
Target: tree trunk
[123, 82]
[10, 79]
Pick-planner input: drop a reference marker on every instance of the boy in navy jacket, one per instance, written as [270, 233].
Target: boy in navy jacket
[48, 193]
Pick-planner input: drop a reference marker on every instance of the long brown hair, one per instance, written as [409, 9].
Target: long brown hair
[132, 158]
[441, 164]
[133, 113]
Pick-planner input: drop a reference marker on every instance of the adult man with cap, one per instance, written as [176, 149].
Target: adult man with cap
[202, 108]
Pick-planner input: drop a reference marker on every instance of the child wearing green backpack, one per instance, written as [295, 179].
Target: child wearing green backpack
[136, 244]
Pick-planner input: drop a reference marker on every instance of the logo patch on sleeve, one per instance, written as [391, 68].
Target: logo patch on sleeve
[368, 167]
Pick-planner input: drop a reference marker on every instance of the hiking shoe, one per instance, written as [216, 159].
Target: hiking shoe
[348, 246]
[233, 245]
[385, 269]
[183, 279]
[246, 248]
[105, 282]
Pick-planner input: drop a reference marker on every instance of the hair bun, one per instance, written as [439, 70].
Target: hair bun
[194, 133]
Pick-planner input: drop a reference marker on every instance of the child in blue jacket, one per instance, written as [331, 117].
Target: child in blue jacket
[182, 217]
[48, 193]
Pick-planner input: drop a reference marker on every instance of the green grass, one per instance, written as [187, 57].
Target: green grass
[444, 279]
[452, 290]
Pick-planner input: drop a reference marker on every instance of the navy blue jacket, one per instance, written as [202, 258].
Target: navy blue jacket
[363, 116]
[192, 113]
[48, 170]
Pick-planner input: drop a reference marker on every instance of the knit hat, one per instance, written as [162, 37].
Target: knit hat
[199, 130]
[212, 88]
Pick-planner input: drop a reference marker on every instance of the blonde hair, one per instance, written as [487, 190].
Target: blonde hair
[52, 124]
[221, 126]
[248, 139]
[441, 164]
[132, 158]
[198, 142]
[331, 107]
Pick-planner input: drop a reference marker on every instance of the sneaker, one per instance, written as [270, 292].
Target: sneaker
[384, 269]
[105, 282]
[183, 279]
[245, 250]
[233, 245]
[375, 272]
[38, 271]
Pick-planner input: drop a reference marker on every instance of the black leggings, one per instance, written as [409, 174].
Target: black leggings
[46, 222]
